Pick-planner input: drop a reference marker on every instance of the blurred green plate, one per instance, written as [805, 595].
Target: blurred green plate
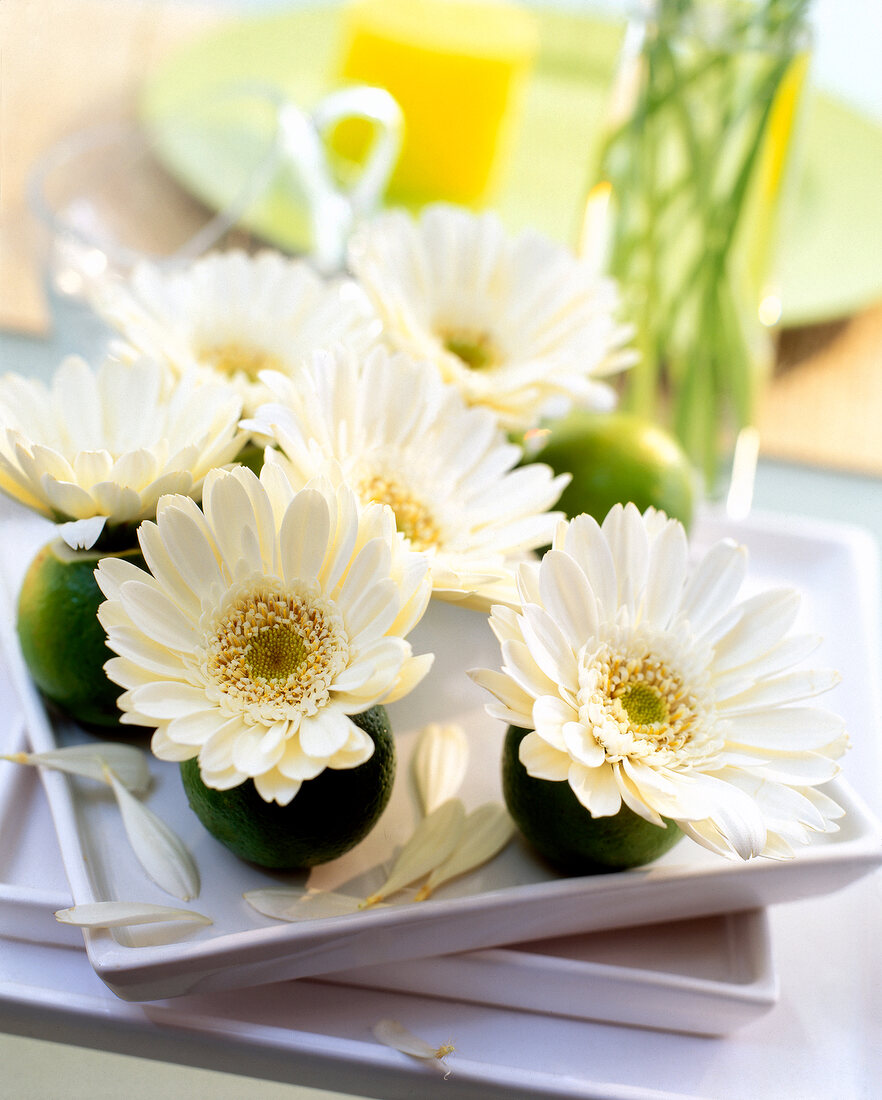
[831, 262]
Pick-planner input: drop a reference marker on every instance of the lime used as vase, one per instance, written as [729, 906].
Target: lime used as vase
[63, 644]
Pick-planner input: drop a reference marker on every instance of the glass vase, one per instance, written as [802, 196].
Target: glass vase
[696, 158]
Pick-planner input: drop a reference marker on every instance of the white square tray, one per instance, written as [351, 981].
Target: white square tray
[513, 899]
[706, 976]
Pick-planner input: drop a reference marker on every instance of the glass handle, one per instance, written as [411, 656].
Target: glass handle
[377, 106]
[333, 210]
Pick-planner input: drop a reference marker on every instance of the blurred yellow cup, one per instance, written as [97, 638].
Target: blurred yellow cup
[457, 69]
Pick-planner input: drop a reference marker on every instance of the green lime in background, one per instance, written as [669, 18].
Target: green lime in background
[63, 644]
[615, 458]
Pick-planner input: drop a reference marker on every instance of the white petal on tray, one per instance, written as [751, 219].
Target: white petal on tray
[431, 843]
[487, 831]
[293, 904]
[393, 1034]
[160, 852]
[439, 763]
[117, 914]
[128, 763]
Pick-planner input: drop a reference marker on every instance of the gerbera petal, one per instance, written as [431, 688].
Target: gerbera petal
[368, 566]
[582, 745]
[325, 733]
[254, 753]
[229, 512]
[785, 729]
[788, 652]
[791, 688]
[355, 752]
[548, 646]
[298, 765]
[133, 645]
[162, 566]
[763, 622]
[113, 572]
[193, 729]
[714, 584]
[411, 673]
[626, 535]
[188, 547]
[273, 786]
[164, 748]
[542, 760]
[373, 612]
[567, 596]
[216, 754]
[164, 700]
[518, 662]
[666, 575]
[67, 499]
[550, 715]
[303, 536]
[596, 788]
[738, 818]
[584, 540]
[90, 467]
[157, 616]
[517, 705]
[808, 770]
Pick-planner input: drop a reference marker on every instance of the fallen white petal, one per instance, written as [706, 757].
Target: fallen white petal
[159, 851]
[116, 914]
[292, 904]
[439, 764]
[128, 763]
[487, 831]
[393, 1034]
[431, 843]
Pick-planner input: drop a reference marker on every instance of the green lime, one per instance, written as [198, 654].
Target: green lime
[559, 827]
[329, 814]
[619, 457]
[63, 644]
[251, 456]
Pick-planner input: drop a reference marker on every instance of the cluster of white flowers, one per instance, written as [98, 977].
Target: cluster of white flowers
[280, 607]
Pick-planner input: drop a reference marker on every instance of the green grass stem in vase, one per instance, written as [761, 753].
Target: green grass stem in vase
[695, 157]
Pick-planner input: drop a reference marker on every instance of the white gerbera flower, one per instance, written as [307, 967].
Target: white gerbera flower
[267, 619]
[518, 325]
[393, 430]
[101, 447]
[235, 315]
[646, 686]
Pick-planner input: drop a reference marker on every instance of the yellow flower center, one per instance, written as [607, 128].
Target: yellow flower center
[412, 518]
[275, 650]
[475, 349]
[234, 358]
[644, 704]
[637, 705]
